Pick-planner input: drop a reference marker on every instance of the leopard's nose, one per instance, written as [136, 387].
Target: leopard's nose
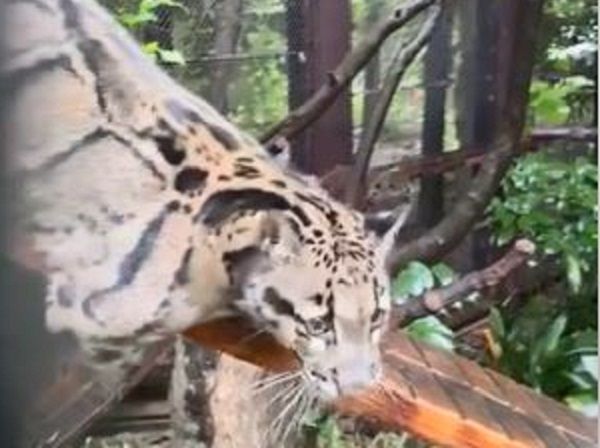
[357, 376]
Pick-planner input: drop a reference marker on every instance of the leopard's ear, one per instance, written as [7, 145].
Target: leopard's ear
[280, 152]
[390, 237]
[380, 223]
[276, 243]
[279, 235]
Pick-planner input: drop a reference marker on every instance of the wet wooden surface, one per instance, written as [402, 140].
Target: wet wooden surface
[438, 396]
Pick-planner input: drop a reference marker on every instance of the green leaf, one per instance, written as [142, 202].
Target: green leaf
[584, 402]
[573, 272]
[433, 332]
[496, 323]
[171, 57]
[548, 343]
[151, 49]
[153, 4]
[329, 434]
[443, 273]
[589, 364]
[412, 281]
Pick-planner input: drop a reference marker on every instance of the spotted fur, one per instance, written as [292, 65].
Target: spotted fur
[153, 213]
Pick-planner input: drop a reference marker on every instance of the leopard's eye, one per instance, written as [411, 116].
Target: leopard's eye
[316, 326]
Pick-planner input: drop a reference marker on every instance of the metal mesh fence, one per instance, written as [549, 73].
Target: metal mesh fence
[247, 59]
[236, 55]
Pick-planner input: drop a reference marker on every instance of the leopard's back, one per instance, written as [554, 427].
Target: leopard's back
[151, 212]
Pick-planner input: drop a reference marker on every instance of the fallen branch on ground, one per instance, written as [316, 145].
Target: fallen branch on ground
[435, 300]
[343, 74]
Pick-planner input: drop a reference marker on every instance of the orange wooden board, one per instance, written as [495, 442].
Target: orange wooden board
[438, 396]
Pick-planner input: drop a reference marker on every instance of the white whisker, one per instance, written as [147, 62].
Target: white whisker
[279, 420]
[272, 376]
[272, 423]
[274, 380]
[277, 395]
[297, 415]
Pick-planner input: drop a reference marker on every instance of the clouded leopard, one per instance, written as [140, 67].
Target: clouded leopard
[149, 212]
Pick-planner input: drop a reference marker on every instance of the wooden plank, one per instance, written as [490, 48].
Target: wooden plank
[519, 398]
[580, 442]
[554, 411]
[444, 398]
[478, 379]
[398, 384]
[515, 425]
[428, 389]
[472, 406]
[402, 347]
[442, 363]
[570, 420]
[426, 419]
[552, 437]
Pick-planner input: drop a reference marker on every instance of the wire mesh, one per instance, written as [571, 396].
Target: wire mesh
[248, 58]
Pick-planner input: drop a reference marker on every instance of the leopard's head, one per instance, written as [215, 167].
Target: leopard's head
[322, 291]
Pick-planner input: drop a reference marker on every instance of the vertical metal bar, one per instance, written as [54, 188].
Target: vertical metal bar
[438, 66]
[296, 68]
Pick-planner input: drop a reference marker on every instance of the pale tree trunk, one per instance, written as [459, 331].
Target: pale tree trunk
[214, 403]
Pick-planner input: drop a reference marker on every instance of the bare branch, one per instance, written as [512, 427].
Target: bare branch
[343, 74]
[464, 214]
[405, 56]
[411, 167]
[435, 300]
[515, 59]
[582, 134]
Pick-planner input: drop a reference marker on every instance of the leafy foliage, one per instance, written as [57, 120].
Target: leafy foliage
[432, 331]
[328, 433]
[412, 282]
[552, 103]
[567, 63]
[536, 348]
[417, 278]
[552, 343]
[554, 203]
[261, 89]
[145, 14]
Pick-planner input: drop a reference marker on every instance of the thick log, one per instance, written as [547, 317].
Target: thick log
[438, 396]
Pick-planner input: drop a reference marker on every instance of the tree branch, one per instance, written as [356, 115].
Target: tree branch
[581, 134]
[343, 74]
[408, 168]
[412, 167]
[435, 300]
[405, 56]
[465, 213]
[515, 58]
